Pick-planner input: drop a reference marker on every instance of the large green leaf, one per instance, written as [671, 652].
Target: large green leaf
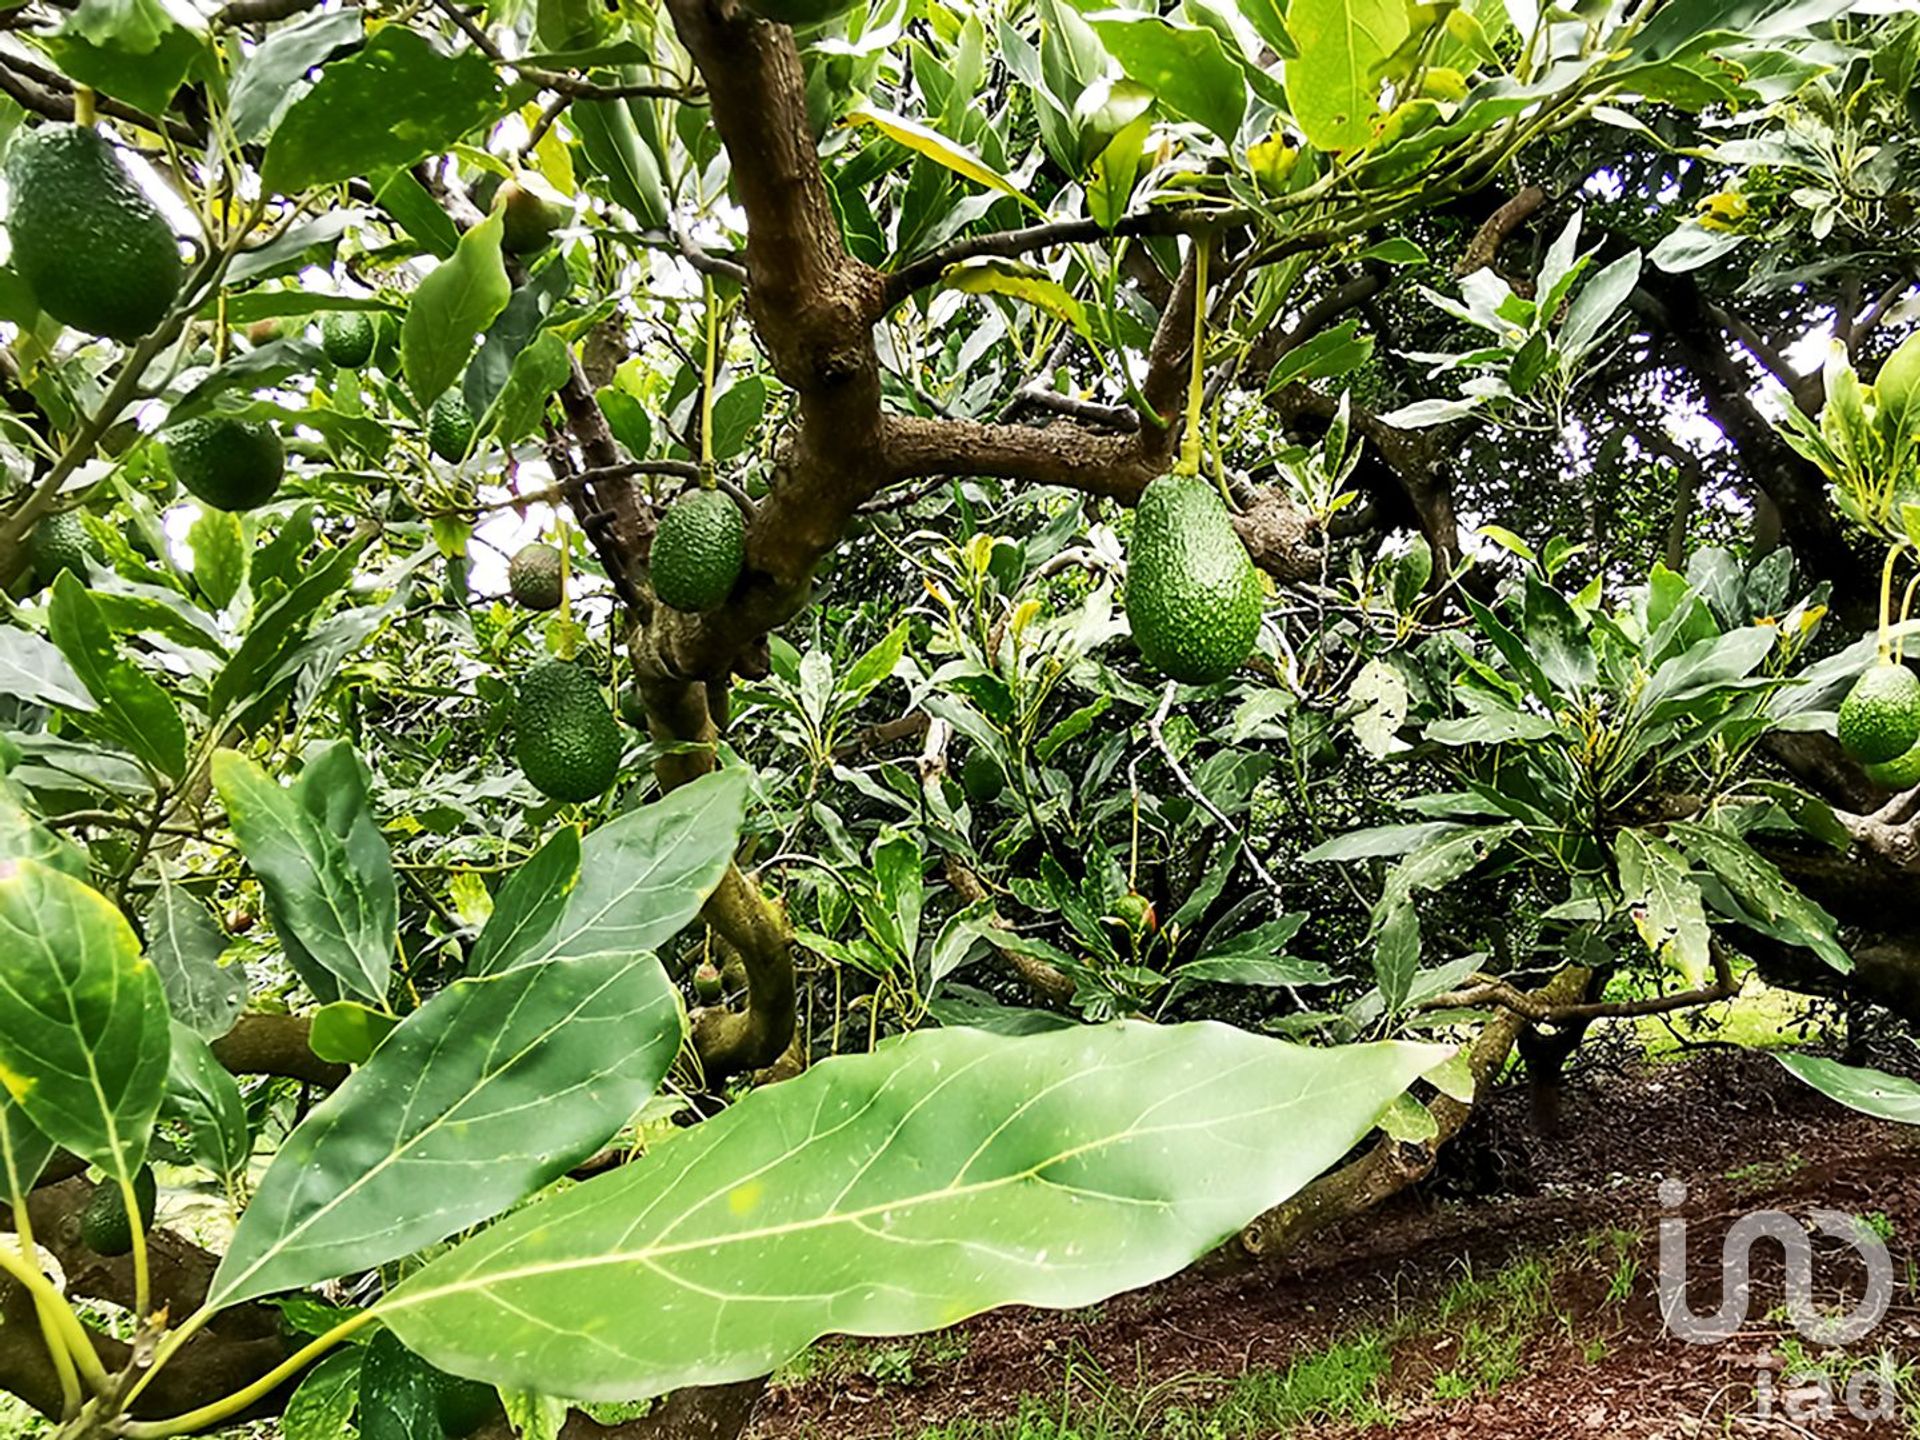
[33, 670]
[346, 125]
[947, 1173]
[1184, 65]
[251, 676]
[1665, 903]
[1685, 26]
[450, 309]
[1871, 1092]
[185, 945]
[83, 1023]
[134, 50]
[490, 1090]
[1334, 82]
[273, 74]
[323, 865]
[640, 880]
[530, 903]
[611, 144]
[24, 1151]
[203, 1095]
[1762, 896]
[134, 712]
[23, 837]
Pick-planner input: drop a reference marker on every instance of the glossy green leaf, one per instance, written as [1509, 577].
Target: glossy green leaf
[949, 1172]
[273, 74]
[736, 416]
[1557, 638]
[347, 1032]
[1019, 281]
[344, 127]
[450, 309]
[1184, 65]
[134, 712]
[24, 837]
[83, 1023]
[923, 140]
[538, 371]
[397, 1392]
[24, 1151]
[185, 944]
[1871, 1092]
[403, 197]
[323, 1405]
[33, 669]
[219, 546]
[1664, 902]
[1334, 83]
[613, 147]
[206, 1098]
[488, 1091]
[252, 675]
[640, 879]
[1685, 26]
[530, 903]
[1764, 897]
[133, 50]
[323, 865]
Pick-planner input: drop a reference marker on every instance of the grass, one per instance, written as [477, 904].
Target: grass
[1760, 1017]
[1485, 1325]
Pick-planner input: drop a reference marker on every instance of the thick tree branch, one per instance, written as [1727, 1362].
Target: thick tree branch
[262, 1044]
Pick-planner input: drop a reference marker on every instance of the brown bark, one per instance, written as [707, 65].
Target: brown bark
[263, 1044]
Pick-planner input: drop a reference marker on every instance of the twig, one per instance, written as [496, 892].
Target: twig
[1155, 728]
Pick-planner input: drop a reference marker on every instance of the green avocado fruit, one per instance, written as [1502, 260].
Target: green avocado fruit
[103, 1224]
[59, 542]
[228, 463]
[698, 551]
[633, 708]
[346, 338]
[450, 427]
[565, 737]
[1880, 718]
[98, 253]
[527, 218]
[1898, 774]
[1193, 596]
[798, 13]
[982, 778]
[533, 576]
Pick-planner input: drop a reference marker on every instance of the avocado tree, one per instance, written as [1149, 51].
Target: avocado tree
[495, 489]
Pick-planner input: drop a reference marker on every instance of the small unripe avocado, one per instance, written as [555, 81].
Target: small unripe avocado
[346, 338]
[1135, 912]
[707, 984]
[450, 426]
[230, 464]
[1898, 774]
[982, 778]
[103, 1224]
[633, 708]
[1193, 597]
[527, 218]
[533, 576]
[1879, 720]
[97, 252]
[59, 542]
[565, 737]
[698, 551]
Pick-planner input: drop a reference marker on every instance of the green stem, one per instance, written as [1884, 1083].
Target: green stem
[706, 384]
[1189, 463]
[218, 1410]
[1886, 601]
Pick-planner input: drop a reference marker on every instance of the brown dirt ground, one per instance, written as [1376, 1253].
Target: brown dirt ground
[1735, 1127]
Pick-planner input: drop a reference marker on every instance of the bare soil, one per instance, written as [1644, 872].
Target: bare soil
[1587, 1354]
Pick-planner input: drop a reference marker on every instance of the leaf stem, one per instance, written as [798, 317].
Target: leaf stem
[72, 1332]
[1197, 370]
[218, 1410]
